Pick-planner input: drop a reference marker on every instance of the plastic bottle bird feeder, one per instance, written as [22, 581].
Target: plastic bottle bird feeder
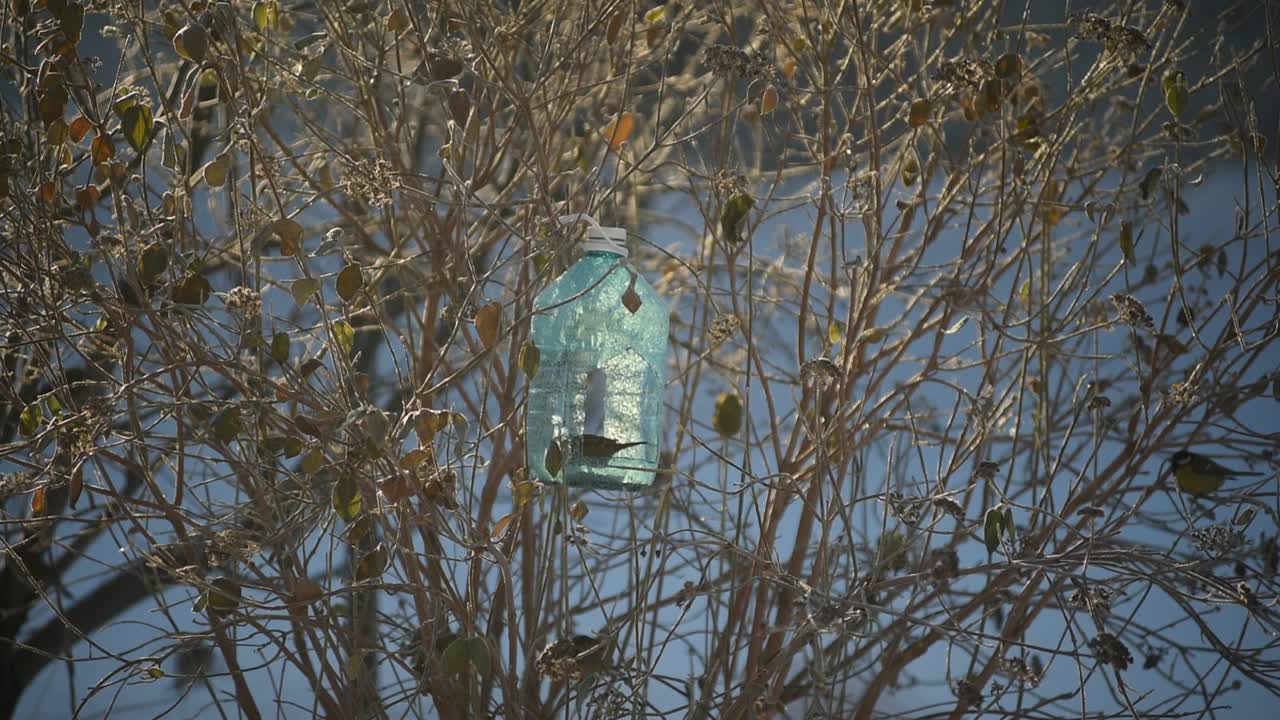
[595, 403]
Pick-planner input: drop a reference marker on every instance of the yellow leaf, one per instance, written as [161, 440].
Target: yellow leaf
[346, 498]
[522, 492]
[57, 132]
[29, 419]
[312, 461]
[223, 595]
[344, 336]
[554, 459]
[137, 123]
[619, 129]
[1176, 94]
[768, 100]
[304, 288]
[726, 418]
[835, 330]
[872, 335]
[265, 15]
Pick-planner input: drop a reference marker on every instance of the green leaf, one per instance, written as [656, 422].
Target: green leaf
[227, 425]
[454, 658]
[891, 551]
[280, 348]
[835, 331]
[1126, 242]
[155, 260]
[266, 15]
[554, 459]
[71, 21]
[216, 170]
[467, 652]
[224, 595]
[992, 525]
[372, 564]
[1170, 344]
[344, 336]
[346, 497]
[125, 102]
[1176, 93]
[192, 42]
[1009, 66]
[530, 358]
[350, 280]
[734, 215]
[478, 654]
[312, 461]
[656, 14]
[304, 288]
[193, 290]
[137, 123]
[727, 416]
[919, 113]
[29, 420]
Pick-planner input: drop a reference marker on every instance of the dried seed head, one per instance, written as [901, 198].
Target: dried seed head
[1110, 650]
[1131, 311]
[722, 328]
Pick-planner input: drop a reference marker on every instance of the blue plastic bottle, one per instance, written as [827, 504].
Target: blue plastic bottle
[601, 378]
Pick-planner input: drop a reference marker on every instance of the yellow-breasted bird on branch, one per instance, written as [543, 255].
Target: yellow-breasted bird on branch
[1199, 475]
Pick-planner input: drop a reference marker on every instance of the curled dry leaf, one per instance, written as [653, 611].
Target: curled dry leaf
[290, 234]
[619, 129]
[488, 319]
[768, 100]
[350, 280]
[500, 527]
[38, 505]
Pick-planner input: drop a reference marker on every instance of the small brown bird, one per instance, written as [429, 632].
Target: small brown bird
[599, 447]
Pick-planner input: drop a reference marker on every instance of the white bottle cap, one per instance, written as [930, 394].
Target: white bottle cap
[599, 238]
